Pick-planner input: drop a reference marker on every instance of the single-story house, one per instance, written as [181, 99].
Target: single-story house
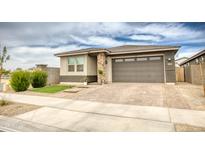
[192, 68]
[128, 63]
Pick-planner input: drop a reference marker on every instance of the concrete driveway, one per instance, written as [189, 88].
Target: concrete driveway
[181, 95]
[126, 93]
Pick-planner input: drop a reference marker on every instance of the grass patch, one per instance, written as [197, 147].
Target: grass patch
[51, 89]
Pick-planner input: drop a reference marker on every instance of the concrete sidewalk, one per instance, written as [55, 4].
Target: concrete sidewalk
[78, 115]
[8, 124]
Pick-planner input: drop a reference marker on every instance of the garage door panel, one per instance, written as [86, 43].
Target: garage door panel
[138, 71]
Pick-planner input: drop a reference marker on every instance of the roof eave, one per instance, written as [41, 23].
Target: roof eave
[193, 57]
[81, 53]
[153, 50]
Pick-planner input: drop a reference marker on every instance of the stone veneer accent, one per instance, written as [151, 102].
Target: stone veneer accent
[101, 58]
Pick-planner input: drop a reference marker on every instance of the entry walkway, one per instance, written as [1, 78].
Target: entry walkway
[78, 115]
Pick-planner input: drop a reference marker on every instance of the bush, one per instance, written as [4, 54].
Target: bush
[20, 80]
[3, 102]
[38, 79]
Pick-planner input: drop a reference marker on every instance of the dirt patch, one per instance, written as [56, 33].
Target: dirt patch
[185, 96]
[188, 128]
[13, 109]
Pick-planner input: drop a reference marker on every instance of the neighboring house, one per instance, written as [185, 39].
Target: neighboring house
[128, 63]
[192, 68]
[179, 61]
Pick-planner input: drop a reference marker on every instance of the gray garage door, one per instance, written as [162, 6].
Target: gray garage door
[141, 69]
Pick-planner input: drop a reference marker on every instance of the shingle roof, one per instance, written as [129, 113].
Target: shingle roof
[79, 51]
[193, 57]
[141, 48]
[123, 49]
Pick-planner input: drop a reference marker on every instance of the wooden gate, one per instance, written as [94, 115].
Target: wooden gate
[179, 74]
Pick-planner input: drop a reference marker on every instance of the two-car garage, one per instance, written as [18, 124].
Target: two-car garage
[138, 69]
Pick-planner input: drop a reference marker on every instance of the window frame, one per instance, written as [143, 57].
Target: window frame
[155, 58]
[129, 60]
[141, 59]
[75, 65]
[77, 68]
[120, 60]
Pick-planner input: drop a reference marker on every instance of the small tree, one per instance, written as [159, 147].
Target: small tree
[3, 58]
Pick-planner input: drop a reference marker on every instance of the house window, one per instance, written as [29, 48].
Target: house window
[79, 68]
[141, 59]
[71, 64]
[154, 58]
[80, 64]
[71, 68]
[77, 63]
[129, 60]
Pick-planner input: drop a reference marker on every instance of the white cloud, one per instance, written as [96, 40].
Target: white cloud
[145, 37]
[97, 41]
[104, 41]
[170, 31]
[188, 51]
[26, 57]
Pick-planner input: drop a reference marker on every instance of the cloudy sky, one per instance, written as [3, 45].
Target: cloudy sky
[33, 43]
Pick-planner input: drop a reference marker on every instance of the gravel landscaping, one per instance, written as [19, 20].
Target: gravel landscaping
[13, 109]
[188, 128]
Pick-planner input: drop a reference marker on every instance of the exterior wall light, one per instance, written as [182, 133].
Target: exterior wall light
[197, 60]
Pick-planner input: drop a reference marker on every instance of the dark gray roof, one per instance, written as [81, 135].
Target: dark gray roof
[140, 48]
[78, 51]
[193, 57]
[123, 49]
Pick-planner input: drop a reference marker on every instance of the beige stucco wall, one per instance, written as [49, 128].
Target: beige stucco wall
[91, 65]
[64, 67]
[53, 75]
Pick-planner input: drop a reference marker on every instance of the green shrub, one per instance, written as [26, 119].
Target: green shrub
[3, 102]
[100, 72]
[20, 80]
[38, 79]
